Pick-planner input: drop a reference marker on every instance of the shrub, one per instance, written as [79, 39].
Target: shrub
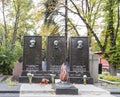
[112, 78]
[100, 76]
[8, 58]
[4, 64]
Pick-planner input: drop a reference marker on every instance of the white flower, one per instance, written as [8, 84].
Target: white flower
[84, 76]
[53, 75]
[30, 74]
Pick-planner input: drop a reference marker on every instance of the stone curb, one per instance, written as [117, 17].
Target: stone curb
[110, 82]
[2, 78]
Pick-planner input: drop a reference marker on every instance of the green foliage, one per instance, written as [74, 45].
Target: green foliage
[48, 31]
[8, 58]
[18, 23]
[115, 56]
[109, 34]
[100, 76]
[94, 46]
[109, 77]
[112, 78]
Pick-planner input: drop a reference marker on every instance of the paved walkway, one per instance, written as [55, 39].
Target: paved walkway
[114, 89]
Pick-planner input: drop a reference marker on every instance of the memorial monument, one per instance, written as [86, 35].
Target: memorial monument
[79, 59]
[64, 86]
[32, 57]
[55, 56]
[56, 53]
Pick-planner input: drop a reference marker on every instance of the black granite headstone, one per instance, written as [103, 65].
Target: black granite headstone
[79, 54]
[79, 60]
[32, 53]
[65, 88]
[32, 58]
[56, 52]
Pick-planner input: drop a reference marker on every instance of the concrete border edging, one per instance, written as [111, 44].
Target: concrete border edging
[110, 82]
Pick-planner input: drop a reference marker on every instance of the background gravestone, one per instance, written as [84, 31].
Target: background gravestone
[32, 53]
[56, 52]
[79, 54]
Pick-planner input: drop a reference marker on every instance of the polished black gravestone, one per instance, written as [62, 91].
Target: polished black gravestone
[56, 53]
[62, 88]
[32, 53]
[79, 59]
[32, 57]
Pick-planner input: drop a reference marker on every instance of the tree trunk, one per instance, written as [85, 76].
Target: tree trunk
[16, 27]
[5, 26]
[112, 69]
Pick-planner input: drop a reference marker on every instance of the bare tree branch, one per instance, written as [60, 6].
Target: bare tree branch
[88, 26]
[97, 9]
[87, 6]
[73, 26]
[82, 6]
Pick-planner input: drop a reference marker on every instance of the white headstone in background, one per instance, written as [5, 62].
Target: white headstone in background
[94, 61]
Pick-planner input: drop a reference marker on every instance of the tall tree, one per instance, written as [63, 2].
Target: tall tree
[19, 18]
[17, 22]
[88, 15]
[17, 9]
[5, 24]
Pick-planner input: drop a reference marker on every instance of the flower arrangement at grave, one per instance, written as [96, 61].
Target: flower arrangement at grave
[44, 81]
[84, 79]
[30, 76]
[53, 78]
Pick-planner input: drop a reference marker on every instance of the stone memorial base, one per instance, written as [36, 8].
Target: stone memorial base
[79, 80]
[35, 79]
[64, 91]
[36, 90]
[62, 88]
[38, 76]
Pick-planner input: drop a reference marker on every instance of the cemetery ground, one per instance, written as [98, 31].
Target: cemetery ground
[13, 89]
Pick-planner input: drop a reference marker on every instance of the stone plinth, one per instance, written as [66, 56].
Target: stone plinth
[64, 88]
[94, 67]
[69, 91]
[36, 90]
